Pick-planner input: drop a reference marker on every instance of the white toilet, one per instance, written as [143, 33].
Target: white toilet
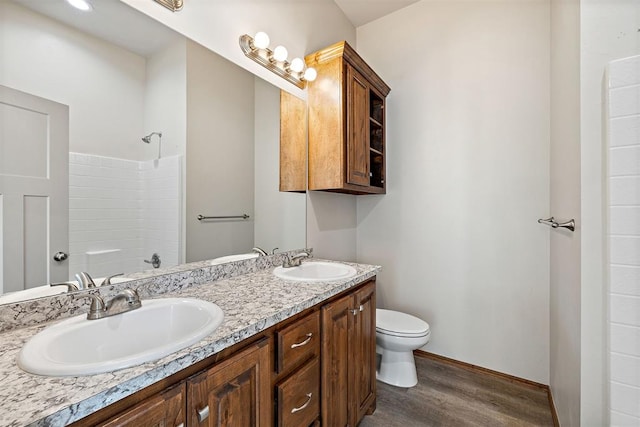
[397, 335]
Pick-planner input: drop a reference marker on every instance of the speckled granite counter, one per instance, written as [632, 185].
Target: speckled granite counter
[251, 303]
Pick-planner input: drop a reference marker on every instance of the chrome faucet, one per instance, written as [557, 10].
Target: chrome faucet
[259, 251]
[294, 261]
[84, 280]
[71, 286]
[126, 300]
[107, 280]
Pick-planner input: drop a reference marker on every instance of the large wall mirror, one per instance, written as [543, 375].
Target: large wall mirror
[116, 133]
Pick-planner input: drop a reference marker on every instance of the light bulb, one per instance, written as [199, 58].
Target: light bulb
[296, 65]
[310, 74]
[261, 40]
[280, 53]
[80, 4]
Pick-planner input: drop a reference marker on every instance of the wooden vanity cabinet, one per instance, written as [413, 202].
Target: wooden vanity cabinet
[316, 368]
[346, 105]
[297, 385]
[233, 393]
[349, 357]
[166, 409]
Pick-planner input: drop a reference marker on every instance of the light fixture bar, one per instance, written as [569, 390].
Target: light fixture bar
[172, 5]
[246, 44]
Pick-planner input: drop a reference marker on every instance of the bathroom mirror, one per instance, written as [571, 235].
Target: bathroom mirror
[160, 131]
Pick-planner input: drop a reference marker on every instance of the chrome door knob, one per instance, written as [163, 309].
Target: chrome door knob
[60, 256]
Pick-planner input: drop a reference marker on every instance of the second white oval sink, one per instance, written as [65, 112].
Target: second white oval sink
[78, 346]
[233, 258]
[316, 271]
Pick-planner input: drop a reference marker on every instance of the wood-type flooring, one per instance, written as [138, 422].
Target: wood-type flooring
[450, 395]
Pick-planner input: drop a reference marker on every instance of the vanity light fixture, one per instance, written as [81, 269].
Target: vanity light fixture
[172, 5]
[296, 71]
[82, 5]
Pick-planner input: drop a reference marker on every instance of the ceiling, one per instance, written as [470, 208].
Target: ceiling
[135, 32]
[144, 36]
[361, 12]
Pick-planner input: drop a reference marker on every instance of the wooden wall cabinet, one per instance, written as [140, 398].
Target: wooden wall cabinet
[346, 106]
[348, 358]
[293, 143]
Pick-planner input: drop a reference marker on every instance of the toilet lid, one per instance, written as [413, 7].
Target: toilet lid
[400, 324]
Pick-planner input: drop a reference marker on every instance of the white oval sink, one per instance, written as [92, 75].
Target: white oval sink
[37, 292]
[47, 291]
[232, 258]
[316, 271]
[78, 346]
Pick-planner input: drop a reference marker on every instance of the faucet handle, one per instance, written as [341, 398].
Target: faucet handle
[107, 281]
[259, 251]
[98, 309]
[295, 260]
[71, 286]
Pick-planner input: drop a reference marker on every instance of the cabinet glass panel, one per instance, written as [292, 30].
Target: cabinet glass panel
[376, 137]
[376, 105]
[377, 170]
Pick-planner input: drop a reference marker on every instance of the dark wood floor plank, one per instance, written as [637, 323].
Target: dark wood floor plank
[448, 395]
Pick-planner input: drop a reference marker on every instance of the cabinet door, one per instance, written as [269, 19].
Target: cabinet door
[364, 355]
[166, 409]
[236, 392]
[336, 323]
[357, 128]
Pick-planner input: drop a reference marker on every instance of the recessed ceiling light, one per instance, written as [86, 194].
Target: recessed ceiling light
[83, 5]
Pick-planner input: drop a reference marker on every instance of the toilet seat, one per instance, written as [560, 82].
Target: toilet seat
[395, 323]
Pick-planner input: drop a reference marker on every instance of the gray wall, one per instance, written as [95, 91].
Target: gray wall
[468, 176]
[220, 150]
[565, 203]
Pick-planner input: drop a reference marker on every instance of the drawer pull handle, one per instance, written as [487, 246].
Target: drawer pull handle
[294, 410]
[305, 342]
[203, 414]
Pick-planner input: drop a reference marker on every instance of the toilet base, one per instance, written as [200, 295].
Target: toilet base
[397, 368]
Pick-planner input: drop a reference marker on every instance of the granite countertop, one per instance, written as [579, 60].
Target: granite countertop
[251, 303]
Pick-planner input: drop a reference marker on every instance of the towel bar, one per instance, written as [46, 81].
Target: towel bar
[569, 225]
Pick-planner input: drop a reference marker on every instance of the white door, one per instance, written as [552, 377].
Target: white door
[34, 190]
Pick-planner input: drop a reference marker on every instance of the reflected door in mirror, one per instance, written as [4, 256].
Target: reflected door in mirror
[34, 141]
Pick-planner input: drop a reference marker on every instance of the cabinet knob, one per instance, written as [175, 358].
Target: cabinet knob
[294, 410]
[203, 414]
[361, 307]
[305, 342]
[180, 425]
[354, 311]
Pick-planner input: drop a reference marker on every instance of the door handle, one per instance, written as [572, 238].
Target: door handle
[60, 256]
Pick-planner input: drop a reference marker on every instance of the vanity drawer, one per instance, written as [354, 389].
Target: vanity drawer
[298, 342]
[299, 396]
